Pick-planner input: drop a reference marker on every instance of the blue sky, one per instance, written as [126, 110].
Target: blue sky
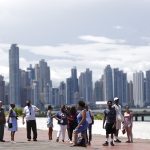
[81, 33]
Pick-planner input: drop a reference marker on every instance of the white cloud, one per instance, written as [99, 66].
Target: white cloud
[118, 27]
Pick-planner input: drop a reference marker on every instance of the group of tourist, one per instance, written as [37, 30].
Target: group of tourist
[113, 119]
[77, 121]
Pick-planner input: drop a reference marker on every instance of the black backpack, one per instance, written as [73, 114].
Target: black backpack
[81, 142]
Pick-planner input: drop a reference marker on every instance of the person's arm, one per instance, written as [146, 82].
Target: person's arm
[23, 116]
[37, 109]
[83, 118]
[104, 119]
[9, 115]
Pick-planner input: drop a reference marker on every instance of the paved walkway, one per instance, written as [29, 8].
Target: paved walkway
[44, 144]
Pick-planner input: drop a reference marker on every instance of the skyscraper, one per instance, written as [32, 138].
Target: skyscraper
[120, 85]
[14, 82]
[2, 89]
[86, 86]
[62, 93]
[108, 83]
[130, 94]
[72, 87]
[98, 90]
[138, 89]
[148, 87]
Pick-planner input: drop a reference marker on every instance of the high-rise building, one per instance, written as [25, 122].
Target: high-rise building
[35, 93]
[68, 91]
[130, 94]
[55, 97]
[147, 87]
[2, 89]
[42, 76]
[108, 83]
[14, 82]
[120, 86]
[72, 87]
[99, 91]
[138, 89]
[86, 86]
[62, 93]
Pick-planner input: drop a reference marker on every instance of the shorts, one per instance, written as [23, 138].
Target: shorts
[110, 129]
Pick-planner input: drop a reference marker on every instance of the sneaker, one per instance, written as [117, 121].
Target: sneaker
[57, 140]
[29, 139]
[105, 144]
[128, 141]
[35, 140]
[63, 141]
[2, 140]
[13, 142]
[112, 144]
[71, 142]
[117, 141]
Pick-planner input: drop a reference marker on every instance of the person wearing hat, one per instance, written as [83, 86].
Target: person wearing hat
[119, 118]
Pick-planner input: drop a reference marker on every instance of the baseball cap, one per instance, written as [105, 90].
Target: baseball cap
[116, 98]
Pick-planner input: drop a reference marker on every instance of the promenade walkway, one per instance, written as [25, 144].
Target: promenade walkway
[44, 144]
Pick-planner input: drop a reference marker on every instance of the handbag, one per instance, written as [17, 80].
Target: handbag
[10, 125]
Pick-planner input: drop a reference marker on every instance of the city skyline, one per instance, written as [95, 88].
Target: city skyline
[85, 34]
[35, 83]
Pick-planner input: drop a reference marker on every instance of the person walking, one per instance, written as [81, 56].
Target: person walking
[50, 122]
[119, 118]
[128, 124]
[29, 113]
[2, 122]
[12, 122]
[110, 120]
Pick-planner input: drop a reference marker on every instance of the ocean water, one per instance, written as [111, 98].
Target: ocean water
[140, 129]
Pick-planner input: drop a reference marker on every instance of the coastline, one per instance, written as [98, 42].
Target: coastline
[140, 129]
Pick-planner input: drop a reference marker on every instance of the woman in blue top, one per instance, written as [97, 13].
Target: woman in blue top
[82, 123]
[50, 121]
[12, 119]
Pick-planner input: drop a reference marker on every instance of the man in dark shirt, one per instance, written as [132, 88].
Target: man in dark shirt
[2, 122]
[110, 120]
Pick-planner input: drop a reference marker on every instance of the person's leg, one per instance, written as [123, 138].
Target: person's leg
[75, 135]
[50, 130]
[64, 127]
[131, 136]
[12, 135]
[128, 134]
[34, 129]
[1, 132]
[28, 127]
[58, 133]
[69, 133]
[107, 139]
[112, 139]
[90, 133]
[118, 126]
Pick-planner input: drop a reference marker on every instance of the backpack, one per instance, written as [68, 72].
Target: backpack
[81, 142]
